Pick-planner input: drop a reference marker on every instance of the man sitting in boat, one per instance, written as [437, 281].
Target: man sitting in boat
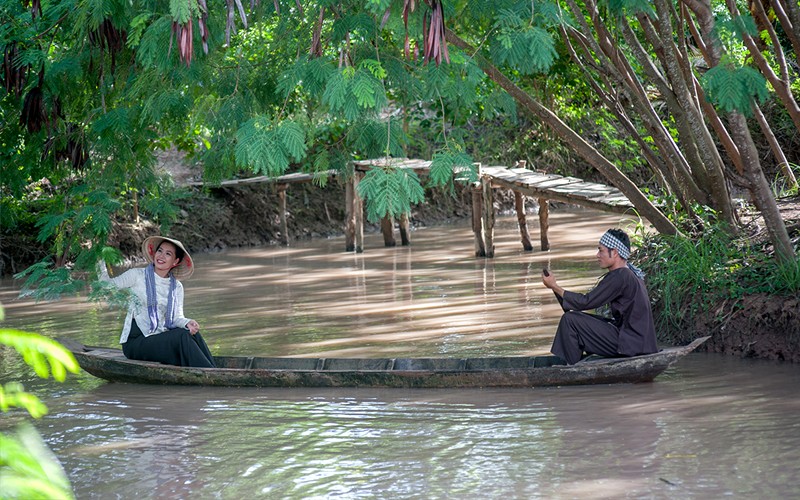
[630, 330]
[155, 328]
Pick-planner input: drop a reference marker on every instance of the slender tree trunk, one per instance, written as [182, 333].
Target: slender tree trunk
[776, 148]
[788, 13]
[605, 57]
[708, 166]
[763, 197]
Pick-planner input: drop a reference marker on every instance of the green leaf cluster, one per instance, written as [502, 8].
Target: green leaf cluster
[447, 165]
[268, 148]
[390, 191]
[351, 91]
[733, 88]
[27, 468]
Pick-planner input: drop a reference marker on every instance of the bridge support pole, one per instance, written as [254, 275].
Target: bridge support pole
[544, 223]
[349, 218]
[354, 216]
[358, 208]
[405, 234]
[519, 205]
[477, 220]
[488, 215]
[387, 228]
[282, 214]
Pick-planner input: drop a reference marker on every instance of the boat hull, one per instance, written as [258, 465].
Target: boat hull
[538, 371]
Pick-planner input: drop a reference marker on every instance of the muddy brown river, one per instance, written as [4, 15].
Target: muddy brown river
[711, 426]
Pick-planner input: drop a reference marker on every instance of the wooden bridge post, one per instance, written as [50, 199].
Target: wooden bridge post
[544, 223]
[358, 208]
[477, 220]
[519, 205]
[405, 236]
[349, 217]
[284, 240]
[387, 228]
[488, 215]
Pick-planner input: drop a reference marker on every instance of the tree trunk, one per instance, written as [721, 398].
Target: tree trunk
[788, 13]
[776, 147]
[760, 189]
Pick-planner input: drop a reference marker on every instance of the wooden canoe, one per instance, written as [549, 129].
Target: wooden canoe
[516, 371]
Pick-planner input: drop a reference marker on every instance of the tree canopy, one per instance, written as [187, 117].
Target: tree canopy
[681, 93]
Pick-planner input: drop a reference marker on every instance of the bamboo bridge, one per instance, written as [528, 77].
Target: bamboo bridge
[522, 181]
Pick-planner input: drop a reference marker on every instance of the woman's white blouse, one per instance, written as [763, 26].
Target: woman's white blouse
[133, 279]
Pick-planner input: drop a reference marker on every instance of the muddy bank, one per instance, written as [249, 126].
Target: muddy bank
[756, 326]
[247, 216]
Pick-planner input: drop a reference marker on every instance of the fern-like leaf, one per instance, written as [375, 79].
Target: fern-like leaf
[390, 191]
[267, 149]
[732, 89]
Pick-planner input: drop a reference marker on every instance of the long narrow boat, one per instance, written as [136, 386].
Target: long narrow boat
[516, 371]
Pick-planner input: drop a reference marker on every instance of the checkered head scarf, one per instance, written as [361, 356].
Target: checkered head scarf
[610, 241]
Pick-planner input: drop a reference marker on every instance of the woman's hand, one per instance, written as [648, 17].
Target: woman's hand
[193, 326]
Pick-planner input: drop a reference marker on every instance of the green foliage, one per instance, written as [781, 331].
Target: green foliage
[268, 148]
[27, 468]
[733, 89]
[630, 7]
[43, 282]
[354, 91]
[738, 26]
[447, 166]
[183, 10]
[527, 49]
[390, 191]
[688, 276]
[44, 355]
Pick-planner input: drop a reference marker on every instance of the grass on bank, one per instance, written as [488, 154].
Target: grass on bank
[687, 277]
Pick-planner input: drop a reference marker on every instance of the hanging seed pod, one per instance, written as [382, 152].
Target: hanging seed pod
[33, 115]
[13, 76]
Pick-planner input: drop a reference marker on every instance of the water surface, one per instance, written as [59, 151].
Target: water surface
[711, 426]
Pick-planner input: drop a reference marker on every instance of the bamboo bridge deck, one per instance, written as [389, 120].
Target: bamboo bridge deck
[522, 181]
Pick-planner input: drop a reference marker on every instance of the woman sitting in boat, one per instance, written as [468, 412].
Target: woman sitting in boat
[155, 328]
[630, 330]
